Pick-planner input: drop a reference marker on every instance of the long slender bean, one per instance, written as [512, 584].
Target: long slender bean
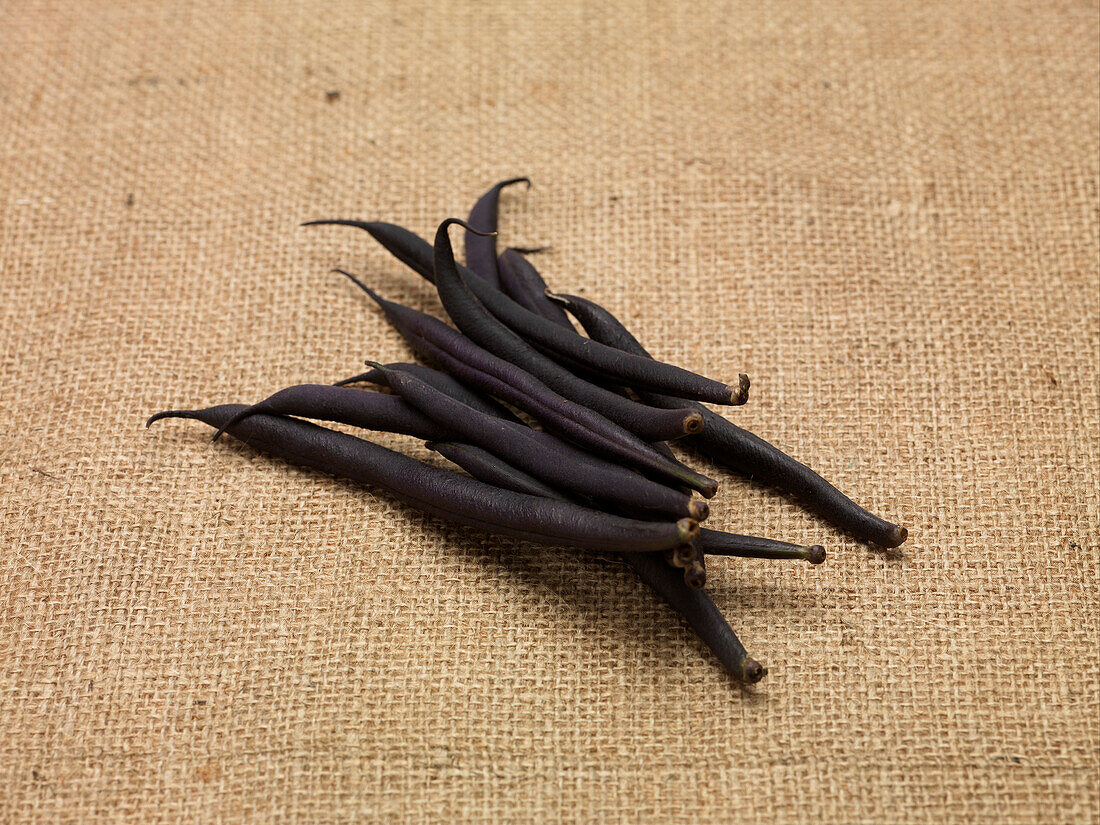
[449, 495]
[441, 381]
[368, 410]
[437, 342]
[521, 282]
[718, 543]
[544, 456]
[743, 451]
[481, 246]
[619, 366]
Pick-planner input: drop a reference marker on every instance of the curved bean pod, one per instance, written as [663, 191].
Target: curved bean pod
[546, 457]
[521, 282]
[481, 249]
[435, 341]
[441, 381]
[743, 451]
[450, 496]
[718, 543]
[369, 410]
[620, 367]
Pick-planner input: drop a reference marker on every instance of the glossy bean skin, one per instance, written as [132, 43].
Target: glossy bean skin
[546, 457]
[521, 282]
[745, 452]
[450, 496]
[481, 246]
[368, 410]
[619, 366]
[441, 381]
[484, 466]
[440, 344]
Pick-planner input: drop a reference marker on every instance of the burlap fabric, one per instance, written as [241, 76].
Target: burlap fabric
[885, 213]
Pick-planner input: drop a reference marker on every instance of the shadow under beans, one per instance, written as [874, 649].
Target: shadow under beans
[584, 589]
[600, 593]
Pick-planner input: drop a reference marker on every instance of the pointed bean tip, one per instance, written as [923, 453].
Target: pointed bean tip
[168, 414]
[752, 671]
[443, 227]
[385, 375]
[373, 295]
[815, 553]
[512, 181]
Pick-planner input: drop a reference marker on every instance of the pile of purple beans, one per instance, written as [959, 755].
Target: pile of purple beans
[564, 437]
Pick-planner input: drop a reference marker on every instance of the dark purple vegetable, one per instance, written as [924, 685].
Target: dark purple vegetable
[478, 324]
[695, 605]
[542, 455]
[437, 342]
[731, 544]
[521, 282]
[497, 322]
[474, 319]
[620, 367]
[743, 451]
[491, 469]
[484, 466]
[369, 410]
[481, 244]
[418, 328]
[442, 382]
[450, 496]
[700, 612]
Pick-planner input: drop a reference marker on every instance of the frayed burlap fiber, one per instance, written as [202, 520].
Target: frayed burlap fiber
[884, 213]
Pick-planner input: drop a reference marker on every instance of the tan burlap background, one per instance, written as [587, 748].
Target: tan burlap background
[886, 213]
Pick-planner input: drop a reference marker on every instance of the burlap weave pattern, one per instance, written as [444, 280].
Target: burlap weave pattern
[885, 213]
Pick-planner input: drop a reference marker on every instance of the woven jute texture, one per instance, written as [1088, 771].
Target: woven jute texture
[885, 213]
